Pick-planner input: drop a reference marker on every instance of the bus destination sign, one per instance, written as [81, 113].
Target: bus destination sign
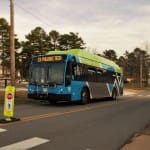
[49, 58]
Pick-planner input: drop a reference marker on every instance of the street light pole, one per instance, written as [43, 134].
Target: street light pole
[12, 45]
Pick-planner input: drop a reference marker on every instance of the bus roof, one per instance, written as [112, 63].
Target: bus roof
[90, 59]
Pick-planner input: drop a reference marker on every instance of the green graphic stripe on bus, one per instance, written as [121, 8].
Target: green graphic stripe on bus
[90, 59]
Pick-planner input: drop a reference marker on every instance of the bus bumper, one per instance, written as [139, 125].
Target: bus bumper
[54, 97]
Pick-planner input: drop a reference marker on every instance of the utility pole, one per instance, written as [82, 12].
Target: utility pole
[12, 45]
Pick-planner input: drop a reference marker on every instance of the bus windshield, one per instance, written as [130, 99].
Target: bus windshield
[42, 73]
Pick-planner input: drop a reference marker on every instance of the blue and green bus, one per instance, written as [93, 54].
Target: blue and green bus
[73, 75]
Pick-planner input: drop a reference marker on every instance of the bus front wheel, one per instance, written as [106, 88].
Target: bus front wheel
[85, 97]
[53, 102]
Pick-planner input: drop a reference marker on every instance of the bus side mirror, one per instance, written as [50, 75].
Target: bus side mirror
[68, 80]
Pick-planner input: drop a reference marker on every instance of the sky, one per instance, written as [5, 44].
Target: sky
[102, 24]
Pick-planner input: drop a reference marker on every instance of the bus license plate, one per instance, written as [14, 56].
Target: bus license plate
[45, 90]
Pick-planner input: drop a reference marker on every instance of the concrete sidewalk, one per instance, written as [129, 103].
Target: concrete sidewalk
[141, 141]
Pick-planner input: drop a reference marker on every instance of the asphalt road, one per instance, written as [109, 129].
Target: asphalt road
[102, 125]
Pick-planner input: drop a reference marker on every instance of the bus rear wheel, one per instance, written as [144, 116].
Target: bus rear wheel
[85, 97]
[114, 94]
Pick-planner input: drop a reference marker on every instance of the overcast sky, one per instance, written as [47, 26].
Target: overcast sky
[103, 24]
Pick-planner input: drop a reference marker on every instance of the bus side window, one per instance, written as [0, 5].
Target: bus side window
[68, 74]
[99, 74]
[77, 72]
[91, 75]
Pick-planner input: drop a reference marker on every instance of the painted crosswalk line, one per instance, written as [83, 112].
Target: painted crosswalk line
[2, 130]
[26, 144]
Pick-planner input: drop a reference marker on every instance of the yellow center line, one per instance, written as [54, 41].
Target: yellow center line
[50, 115]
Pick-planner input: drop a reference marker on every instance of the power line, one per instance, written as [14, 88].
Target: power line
[43, 21]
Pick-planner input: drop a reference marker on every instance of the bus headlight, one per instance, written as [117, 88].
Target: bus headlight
[60, 90]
